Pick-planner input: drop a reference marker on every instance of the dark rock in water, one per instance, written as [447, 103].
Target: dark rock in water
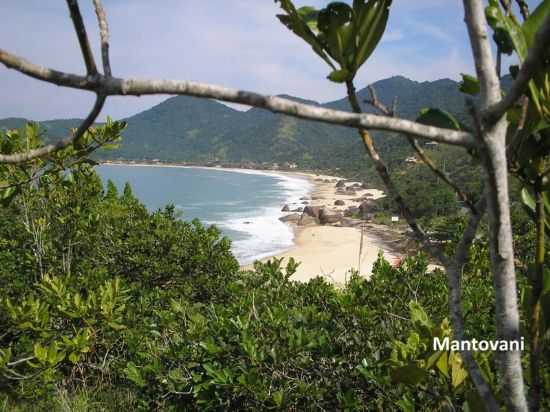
[317, 198]
[306, 220]
[293, 217]
[285, 208]
[327, 181]
[365, 186]
[357, 186]
[341, 183]
[319, 180]
[350, 192]
[298, 209]
[305, 202]
[369, 195]
[247, 223]
[339, 203]
[328, 217]
[312, 211]
[304, 198]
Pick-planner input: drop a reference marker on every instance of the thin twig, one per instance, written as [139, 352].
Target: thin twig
[384, 174]
[523, 8]
[104, 35]
[376, 103]
[45, 150]
[80, 29]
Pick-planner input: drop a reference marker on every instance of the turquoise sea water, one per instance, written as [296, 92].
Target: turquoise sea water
[245, 205]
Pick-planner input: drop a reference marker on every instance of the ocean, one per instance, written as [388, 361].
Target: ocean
[244, 204]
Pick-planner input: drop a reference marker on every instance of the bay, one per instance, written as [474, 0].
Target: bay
[244, 204]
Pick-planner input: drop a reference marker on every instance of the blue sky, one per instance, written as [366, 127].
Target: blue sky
[236, 43]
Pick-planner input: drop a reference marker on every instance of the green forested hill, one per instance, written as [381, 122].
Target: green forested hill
[184, 128]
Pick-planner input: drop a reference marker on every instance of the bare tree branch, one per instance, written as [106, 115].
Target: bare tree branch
[493, 133]
[441, 174]
[523, 8]
[384, 174]
[45, 150]
[104, 35]
[112, 86]
[454, 274]
[80, 29]
[532, 63]
[376, 103]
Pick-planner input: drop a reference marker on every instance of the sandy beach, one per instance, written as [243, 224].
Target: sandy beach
[333, 250]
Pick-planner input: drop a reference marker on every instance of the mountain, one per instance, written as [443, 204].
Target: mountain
[185, 128]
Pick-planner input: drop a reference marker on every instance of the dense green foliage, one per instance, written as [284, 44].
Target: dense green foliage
[106, 306]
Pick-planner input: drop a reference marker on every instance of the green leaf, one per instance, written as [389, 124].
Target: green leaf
[133, 374]
[438, 118]
[339, 76]
[372, 18]
[458, 373]
[469, 84]
[443, 364]
[533, 23]
[419, 316]
[410, 374]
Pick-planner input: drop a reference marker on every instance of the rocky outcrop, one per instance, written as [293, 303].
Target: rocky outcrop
[341, 184]
[293, 217]
[286, 208]
[312, 211]
[339, 203]
[366, 209]
[306, 220]
[327, 217]
[298, 209]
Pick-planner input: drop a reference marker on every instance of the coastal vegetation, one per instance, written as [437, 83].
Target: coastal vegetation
[108, 306]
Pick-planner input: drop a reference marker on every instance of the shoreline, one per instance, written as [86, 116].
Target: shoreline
[333, 251]
[328, 250]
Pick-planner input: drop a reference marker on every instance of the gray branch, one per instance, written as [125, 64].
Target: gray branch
[454, 274]
[501, 248]
[104, 36]
[80, 29]
[112, 86]
[48, 149]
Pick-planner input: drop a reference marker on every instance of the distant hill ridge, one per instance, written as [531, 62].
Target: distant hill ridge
[184, 128]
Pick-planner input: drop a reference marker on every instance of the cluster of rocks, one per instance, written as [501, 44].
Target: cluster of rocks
[352, 215]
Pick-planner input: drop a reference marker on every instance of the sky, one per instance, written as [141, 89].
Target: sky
[235, 43]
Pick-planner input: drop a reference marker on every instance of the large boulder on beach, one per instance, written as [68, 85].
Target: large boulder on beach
[339, 203]
[293, 217]
[327, 217]
[286, 208]
[341, 183]
[366, 208]
[312, 211]
[306, 220]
